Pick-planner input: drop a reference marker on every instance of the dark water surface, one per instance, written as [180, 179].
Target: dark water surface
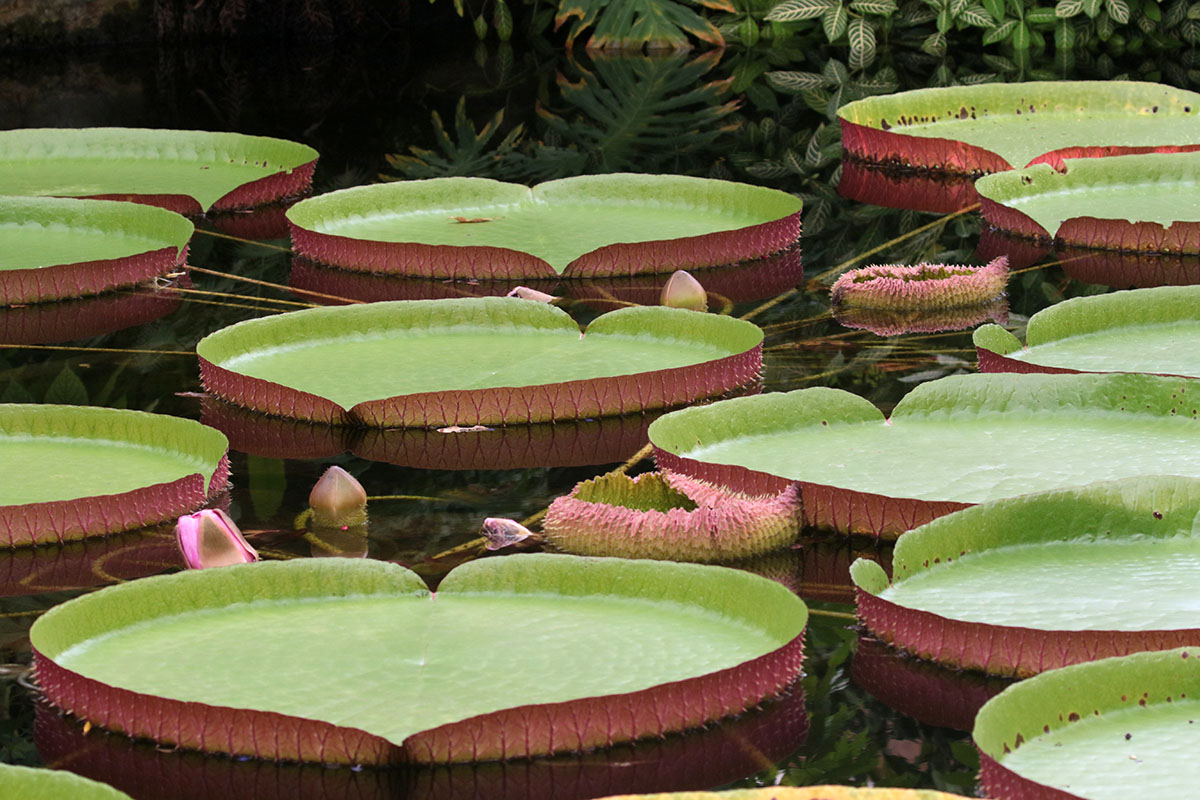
[359, 103]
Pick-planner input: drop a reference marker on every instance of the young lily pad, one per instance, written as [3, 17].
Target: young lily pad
[920, 287]
[974, 130]
[1139, 203]
[1107, 730]
[1144, 330]
[949, 443]
[30, 783]
[185, 171]
[52, 248]
[619, 224]
[563, 637]
[1022, 585]
[482, 361]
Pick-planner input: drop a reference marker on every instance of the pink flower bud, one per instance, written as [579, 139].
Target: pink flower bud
[684, 291]
[338, 500]
[525, 293]
[209, 538]
[500, 532]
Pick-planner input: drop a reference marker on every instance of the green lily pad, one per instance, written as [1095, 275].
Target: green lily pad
[30, 783]
[1139, 203]
[1144, 330]
[52, 248]
[949, 443]
[973, 130]
[619, 224]
[429, 363]
[1107, 730]
[1022, 585]
[605, 649]
[185, 171]
[70, 471]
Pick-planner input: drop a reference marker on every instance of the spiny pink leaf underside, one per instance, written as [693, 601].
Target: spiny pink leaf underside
[46, 323]
[67, 520]
[1003, 784]
[450, 261]
[1001, 649]
[521, 732]
[932, 694]
[825, 507]
[897, 150]
[919, 191]
[38, 284]
[920, 287]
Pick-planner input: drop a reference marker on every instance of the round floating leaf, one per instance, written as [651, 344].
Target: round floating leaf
[185, 171]
[619, 224]
[29, 783]
[1107, 730]
[1022, 585]
[949, 443]
[516, 656]
[52, 248]
[479, 361]
[1140, 203]
[67, 472]
[1144, 330]
[971, 130]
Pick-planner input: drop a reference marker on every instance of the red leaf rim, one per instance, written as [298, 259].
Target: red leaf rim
[45, 323]
[498, 263]
[1179, 238]
[519, 732]
[1002, 783]
[260, 222]
[67, 520]
[1006, 650]
[307, 276]
[925, 691]
[827, 507]
[1021, 252]
[1057, 158]
[617, 395]
[38, 284]
[990, 361]
[931, 155]
[183, 204]
[878, 186]
[282, 185]
[1013, 222]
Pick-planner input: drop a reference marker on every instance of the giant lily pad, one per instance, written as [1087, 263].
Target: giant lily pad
[973, 130]
[619, 224]
[949, 443]
[69, 471]
[1140, 203]
[29, 783]
[51, 248]
[185, 171]
[606, 650]
[1022, 585]
[429, 363]
[1108, 730]
[1144, 330]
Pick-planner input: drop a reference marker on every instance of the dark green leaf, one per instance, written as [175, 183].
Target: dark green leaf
[1000, 32]
[792, 10]
[834, 22]
[861, 35]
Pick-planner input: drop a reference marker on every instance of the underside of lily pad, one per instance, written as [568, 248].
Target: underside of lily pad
[1143, 330]
[185, 171]
[53, 248]
[974, 130]
[1131, 203]
[1107, 730]
[1022, 585]
[586, 226]
[921, 287]
[481, 361]
[157, 658]
[949, 443]
[662, 515]
[67, 472]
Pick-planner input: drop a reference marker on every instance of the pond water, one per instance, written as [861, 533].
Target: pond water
[359, 105]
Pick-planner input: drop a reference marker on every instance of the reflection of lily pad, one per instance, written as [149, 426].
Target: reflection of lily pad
[972, 130]
[52, 248]
[620, 224]
[949, 443]
[1107, 730]
[152, 658]
[70, 471]
[1145, 330]
[478, 361]
[1143, 203]
[799, 793]
[67, 320]
[185, 171]
[1026, 584]
[29, 783]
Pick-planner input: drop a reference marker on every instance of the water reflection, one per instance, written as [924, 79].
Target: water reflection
[68, 320]
[88, 563]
